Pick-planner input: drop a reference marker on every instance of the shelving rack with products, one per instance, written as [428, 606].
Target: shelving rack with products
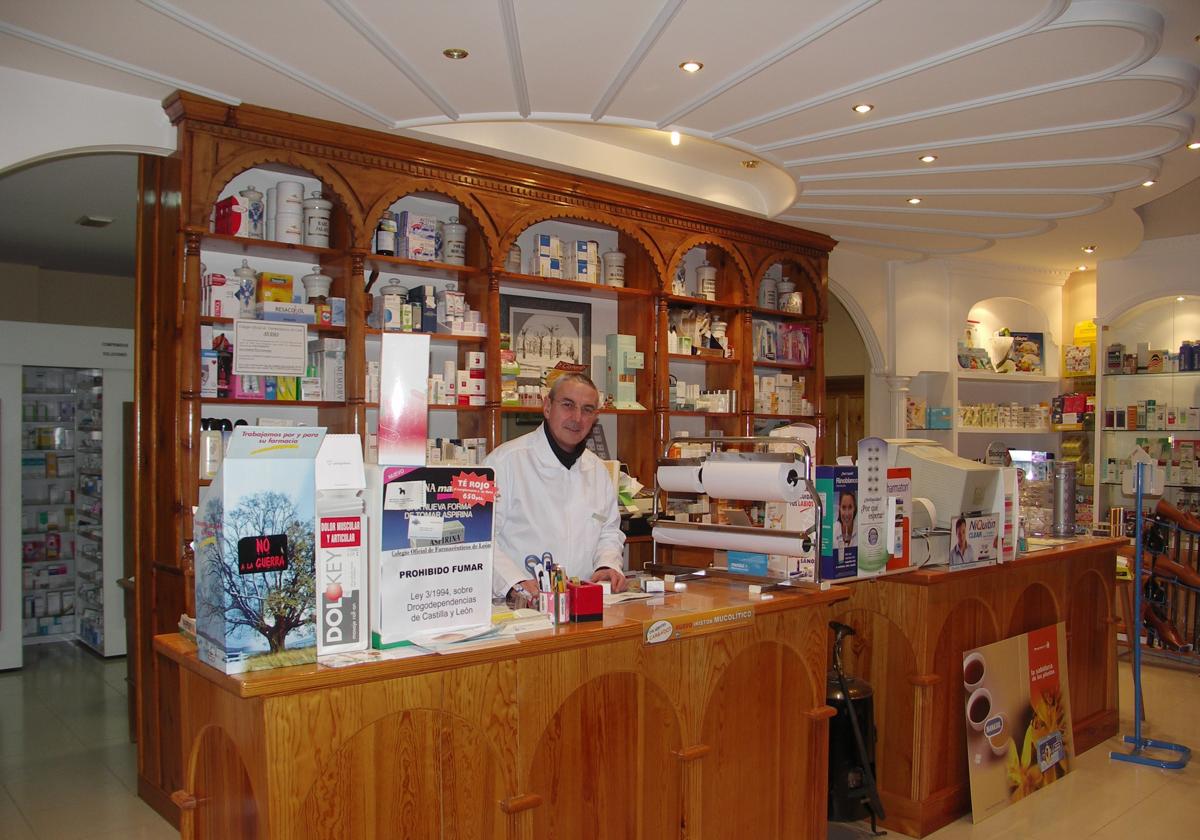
[49, 542]
[502, 203]
[1163, 324]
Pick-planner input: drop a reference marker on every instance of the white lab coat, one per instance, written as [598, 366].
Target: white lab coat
[542, 506]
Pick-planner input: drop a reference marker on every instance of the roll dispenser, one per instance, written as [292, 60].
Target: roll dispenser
[748, 476]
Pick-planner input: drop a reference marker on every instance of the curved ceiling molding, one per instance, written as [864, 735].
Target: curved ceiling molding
[1040, 119]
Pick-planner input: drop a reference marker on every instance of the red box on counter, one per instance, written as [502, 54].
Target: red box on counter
[587, 601]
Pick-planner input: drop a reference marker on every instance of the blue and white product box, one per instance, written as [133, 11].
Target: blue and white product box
[255, 532]
[341, 588]
[838, 487]
[799, 515]
[549, 267]
[430, 550]
[547, 245]
[416, 224]
[417, 247]
[747, 562]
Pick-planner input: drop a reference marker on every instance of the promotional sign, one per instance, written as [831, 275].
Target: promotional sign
[255, 537]
[431, 558]
[341, 546]
[1018, 718]
[899, 490]
[403, 398]
[657, 631]
[975, 541]
[838, 487]
[873, 524]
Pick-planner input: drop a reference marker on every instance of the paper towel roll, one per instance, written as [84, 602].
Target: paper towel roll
[764, 542]
[680, 479]
[753, 480]
[924, 513]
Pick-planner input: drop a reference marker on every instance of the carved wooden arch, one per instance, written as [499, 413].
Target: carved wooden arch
[567, 211]
[702, 239]
[398, 188]
[987, 610]
[1059, 613]
[331, 180]
[1105, 587]
[819, 283]
[207, 732]
[504, 772]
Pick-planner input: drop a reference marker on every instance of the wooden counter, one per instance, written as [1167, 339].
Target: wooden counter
[912, 630]
[585, 731]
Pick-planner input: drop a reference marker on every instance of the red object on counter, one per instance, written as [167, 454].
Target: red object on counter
[587, 601]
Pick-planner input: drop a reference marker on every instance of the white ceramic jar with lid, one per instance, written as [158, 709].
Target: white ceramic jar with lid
[393, 300]
[768, 293]
[512, 263]
[247, 292]
[316, 286]
[706, 281]
[316, 220]
[614, 268]
[454, 242]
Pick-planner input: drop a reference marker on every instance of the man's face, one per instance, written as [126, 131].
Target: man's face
[962, 534]
[572, 413]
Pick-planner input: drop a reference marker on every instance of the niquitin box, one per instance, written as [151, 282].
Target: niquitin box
[255, 530]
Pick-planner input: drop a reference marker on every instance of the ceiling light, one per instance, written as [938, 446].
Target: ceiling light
[94, 221]
[1194, 146]
[1081, 268]
[928, 158]
[455, 53]
[863, 108]
[674, 138]
[1179, 299]
[914, 200]
[1148, 183]
[1088, 249]
[750, 164]
[691, 66]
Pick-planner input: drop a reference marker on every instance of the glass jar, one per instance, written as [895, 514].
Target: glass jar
[393, 306]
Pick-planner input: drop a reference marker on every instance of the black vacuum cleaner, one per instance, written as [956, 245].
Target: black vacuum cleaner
[853, 795]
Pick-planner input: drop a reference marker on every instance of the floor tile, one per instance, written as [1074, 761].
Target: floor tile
[118, 811]
[11, 820]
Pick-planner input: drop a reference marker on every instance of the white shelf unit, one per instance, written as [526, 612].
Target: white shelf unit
[49, 541]
[1164, 323]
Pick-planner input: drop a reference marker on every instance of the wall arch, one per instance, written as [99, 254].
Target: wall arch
[859, 316]
[582, 214]
[400, 188]
[744, 275]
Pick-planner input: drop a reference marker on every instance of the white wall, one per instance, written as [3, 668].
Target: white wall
[47, 118]
[1157, 268]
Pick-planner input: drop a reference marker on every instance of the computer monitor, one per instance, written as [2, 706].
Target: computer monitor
[955, 485]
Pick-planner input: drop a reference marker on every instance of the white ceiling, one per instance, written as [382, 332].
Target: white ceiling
[1046, 115]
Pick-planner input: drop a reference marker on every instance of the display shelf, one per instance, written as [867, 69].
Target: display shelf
[264, 249]
[532, 282]
[425, 268]
[1152, 431]
[324, 329]
[709, 360]
[273, 403]
[779, 313]
[1015, 378]
[447, 338]
[49, 639]
[676, 412]
[806, 418]
[1183, 374]
[537, 409]
[1002, 430]
[781, 365]
[687, 300]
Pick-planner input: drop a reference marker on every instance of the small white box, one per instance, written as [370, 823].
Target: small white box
[549, 267]
[414, 224]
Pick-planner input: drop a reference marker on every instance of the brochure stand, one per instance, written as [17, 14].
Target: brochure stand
[1137, 754]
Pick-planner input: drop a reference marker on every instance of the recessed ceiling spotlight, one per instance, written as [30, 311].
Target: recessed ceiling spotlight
[1149, 183]
[1088, 249]
[1194, 146]
[863, 108]
[1179, 299]
[675, 138]
[691, 66]
[914, 200]
[1081, 268]
[455, 53]
[750, 164]
[928, 158]
[94, 221]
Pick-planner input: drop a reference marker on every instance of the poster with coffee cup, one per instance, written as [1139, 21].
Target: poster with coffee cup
[1017, 707]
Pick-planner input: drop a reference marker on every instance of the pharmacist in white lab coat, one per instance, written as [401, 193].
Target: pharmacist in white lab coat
[556, 496]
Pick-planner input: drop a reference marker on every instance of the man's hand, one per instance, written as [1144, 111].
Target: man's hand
[523, 594]
[613, 576]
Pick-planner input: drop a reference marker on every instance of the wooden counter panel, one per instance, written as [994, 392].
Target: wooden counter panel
[690, 738]
[912, 630]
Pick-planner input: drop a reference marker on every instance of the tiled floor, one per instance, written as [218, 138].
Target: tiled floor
[67, 768]
[68, 771]
[1104, 799]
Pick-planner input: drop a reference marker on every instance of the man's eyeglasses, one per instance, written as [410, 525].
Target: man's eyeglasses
[570, 406]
